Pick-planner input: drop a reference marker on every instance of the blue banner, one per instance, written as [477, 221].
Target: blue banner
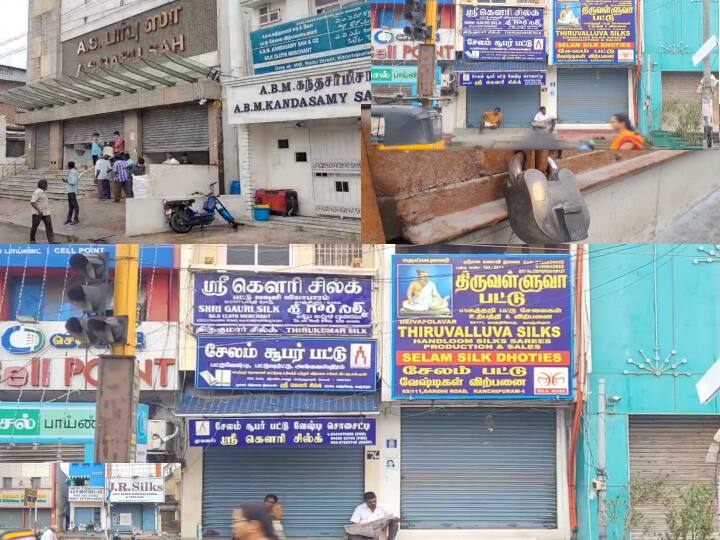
[504, 48]
[352, 431]
[58, 256]
[503, 78]
[308, 365]
[512, 21]
[340, 35]
[277, 304]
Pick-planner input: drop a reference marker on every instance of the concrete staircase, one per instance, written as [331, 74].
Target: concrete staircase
[21, 185]
[344, 229]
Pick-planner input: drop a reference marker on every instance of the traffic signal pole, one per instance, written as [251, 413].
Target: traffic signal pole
[427, 56]
[127, 265]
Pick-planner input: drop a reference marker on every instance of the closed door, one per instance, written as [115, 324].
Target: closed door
[591, 95]
[335, 160]
[42, 146]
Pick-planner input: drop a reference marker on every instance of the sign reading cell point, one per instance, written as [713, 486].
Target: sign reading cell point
[482, 327]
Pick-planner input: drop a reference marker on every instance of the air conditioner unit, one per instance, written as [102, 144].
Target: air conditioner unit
[158, 430]
[269, 17]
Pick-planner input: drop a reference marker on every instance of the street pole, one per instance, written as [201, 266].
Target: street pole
[649, 98]
[427, 56]
[707, 94]
[602, 492]
[118, 384]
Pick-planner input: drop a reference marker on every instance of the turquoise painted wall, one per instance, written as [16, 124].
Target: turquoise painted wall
[673, 32]
[622, 321]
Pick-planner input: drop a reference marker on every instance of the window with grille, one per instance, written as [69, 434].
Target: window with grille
[7, 483]
[258, 255]
[328, 5]
[268, 16]
[338, 255]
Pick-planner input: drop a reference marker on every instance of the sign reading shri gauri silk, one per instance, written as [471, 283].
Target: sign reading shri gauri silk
[482, 327]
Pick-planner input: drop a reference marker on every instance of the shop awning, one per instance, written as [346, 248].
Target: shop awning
[161, 71]
[477, 67]
[205, 404]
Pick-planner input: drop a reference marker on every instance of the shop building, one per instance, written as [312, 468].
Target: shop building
[144, 69]
[12, 135]
[134, 492]
[48, 381]
[653, 337]
[29, 496]
[298, 73]
[86, 497]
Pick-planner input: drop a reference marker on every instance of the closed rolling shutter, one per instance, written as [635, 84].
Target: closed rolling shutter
[519, 104]
[84, 515]
[25, 453]
[681, 89]
[80, 130]
[318, 487]
[119, 511]
[670, 450]
[43, 518]
[10, 518]
[175, 129]
[478, 468]
[42, 146]
[591, 96]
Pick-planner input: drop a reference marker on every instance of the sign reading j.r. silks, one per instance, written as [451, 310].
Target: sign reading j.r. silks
[337, 94]
[340, 431]
[482, 327]
[322, 365]
[279, 304]
[338, 35]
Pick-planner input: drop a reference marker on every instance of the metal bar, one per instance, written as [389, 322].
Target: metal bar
[83, 91]
[64, 92]
[14, 100]
[93, 85]
[22, 95]
[169, 71]
[59, 100]
[194, 66]
[130, 80]
[127, 89]
[150, 76]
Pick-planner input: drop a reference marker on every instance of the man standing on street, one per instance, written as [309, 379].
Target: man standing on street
[118, 145]
[72, 180]
[121, 176]
[102, 174]
[41, 212]
[128, 186]
[382, 524]
[96, 149]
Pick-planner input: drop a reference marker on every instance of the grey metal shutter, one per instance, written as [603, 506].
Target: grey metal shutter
[672, 450]
[10, 518]
[43, 518]
[519, 104]
[84, 515]
[318, 487]
[42, 146]
[25, 453]
[681, 88]
[183, 128]
[467, 468]
[591, 95]
[135, 510]
[80, 130]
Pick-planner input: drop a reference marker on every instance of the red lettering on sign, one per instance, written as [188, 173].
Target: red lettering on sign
[91, 365]
[164, 365]
[73, 366]
[15, 376]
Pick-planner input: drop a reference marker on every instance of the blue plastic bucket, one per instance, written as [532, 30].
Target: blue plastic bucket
[235, 187]
[261, 212]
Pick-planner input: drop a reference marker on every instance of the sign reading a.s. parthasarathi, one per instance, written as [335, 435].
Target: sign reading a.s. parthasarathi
[482, 327]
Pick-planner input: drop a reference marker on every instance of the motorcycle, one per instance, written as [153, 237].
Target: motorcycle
[182, 218]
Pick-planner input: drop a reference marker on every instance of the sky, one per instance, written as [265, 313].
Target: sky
[13, 25]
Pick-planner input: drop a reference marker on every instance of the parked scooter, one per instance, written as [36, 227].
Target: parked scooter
[182, 218]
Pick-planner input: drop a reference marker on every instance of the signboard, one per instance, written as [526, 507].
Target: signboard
[244, 303]
[504, 48]
[144, 489]
[16, 497]
[400, 75]
[332, 95]
[184, 27]
[594, 31]
[43, 356]
[512, 21]
[283, 432]
[393, 44]
[315, 365]
[86, 494]
[482, 327]
[503, 78]
[58, 256]
[336, 36]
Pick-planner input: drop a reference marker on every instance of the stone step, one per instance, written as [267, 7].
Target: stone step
[345, 229]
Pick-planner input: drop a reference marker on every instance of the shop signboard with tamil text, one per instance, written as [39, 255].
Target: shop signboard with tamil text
[594, 31]
[504, 48]
[15, 498]
[86, 494]
[276, 304]
[482, 327]
[505, 20]
[394, 44]
[503, 78]
[58, 256]
[255, 432]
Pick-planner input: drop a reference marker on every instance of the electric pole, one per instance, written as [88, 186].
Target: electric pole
[602, 474]
[707, 93]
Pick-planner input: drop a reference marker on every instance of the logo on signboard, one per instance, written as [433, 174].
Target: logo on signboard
[30, 496]
[215, 287]
[551, 381]
[202, 428]
[20, 339]
[383, 37]
[360, 355]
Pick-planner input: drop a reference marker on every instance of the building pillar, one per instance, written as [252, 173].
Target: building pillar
[214, 134]
[132, 133]
[56, 146]
[245, 167]
[192, 485]
[30, 131]
[548, 95]
[3, 138]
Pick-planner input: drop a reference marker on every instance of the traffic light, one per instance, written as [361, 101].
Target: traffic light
[414, 14]
[94, 296]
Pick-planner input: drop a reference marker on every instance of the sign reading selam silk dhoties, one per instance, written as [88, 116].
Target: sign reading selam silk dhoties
[482, 327]
[274, 304]
[263, 364]
[332, 95]
[340, 431]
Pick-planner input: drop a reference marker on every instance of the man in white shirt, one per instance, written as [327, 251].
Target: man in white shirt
[543, 120]
[49, 534]
[102, 175]
[41, 212]
[385, 523]
[170, 160]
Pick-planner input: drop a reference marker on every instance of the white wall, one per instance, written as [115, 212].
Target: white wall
[181, 180]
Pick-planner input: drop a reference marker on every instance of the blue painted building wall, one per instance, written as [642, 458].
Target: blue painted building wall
[622, 321]
[673, 32]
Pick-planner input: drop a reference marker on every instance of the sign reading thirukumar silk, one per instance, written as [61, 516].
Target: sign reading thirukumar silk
[244, 363]
[143, 489]
[482, 327]
[339, 35]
